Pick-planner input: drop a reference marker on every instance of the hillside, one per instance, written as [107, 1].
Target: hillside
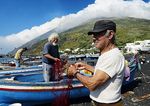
[128, 30]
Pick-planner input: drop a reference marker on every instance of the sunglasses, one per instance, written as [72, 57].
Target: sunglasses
[99, 34]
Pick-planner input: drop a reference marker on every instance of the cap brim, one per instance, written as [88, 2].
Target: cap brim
[90, 33]
[95, 31]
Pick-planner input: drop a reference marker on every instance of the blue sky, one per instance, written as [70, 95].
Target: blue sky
[16, 15]
[23, 20]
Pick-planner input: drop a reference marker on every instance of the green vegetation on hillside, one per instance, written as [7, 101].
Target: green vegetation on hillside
[128, 30]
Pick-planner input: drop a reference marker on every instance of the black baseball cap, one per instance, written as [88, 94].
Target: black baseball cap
[103, 25]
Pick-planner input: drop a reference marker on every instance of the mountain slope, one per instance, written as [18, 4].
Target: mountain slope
[128, 30]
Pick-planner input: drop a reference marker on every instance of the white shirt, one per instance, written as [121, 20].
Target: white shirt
[112, 63]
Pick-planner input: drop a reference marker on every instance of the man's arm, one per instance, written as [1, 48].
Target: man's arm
[93, 82]
[98, 79]
[51, 57]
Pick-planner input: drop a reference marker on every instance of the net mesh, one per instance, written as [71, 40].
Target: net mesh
[64, 98]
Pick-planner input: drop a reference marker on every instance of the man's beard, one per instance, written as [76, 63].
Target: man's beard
[55, 43]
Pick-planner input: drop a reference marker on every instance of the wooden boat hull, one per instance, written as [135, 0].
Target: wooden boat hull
[40, 92]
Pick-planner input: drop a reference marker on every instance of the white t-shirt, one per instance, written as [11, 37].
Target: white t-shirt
[112, 63]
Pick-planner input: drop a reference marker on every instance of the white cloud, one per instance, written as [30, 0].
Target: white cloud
[101, 8]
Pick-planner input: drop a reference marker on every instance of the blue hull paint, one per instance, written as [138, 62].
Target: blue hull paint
[9, 97]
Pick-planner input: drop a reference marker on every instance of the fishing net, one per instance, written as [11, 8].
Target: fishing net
[57, 71]
[62, 99]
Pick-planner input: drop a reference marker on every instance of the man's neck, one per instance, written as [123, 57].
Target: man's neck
[108, 48]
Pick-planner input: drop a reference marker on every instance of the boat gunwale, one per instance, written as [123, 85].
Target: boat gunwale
[39, 86]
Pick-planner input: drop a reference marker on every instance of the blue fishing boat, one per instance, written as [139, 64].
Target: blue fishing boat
[36, 91]
[20, 71]
[27, 87]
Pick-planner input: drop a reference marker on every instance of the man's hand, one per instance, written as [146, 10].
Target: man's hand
[84, 66]
[80, 66]
[56, 59]
[71, 70]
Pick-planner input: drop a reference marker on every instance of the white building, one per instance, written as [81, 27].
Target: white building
[143, 46]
